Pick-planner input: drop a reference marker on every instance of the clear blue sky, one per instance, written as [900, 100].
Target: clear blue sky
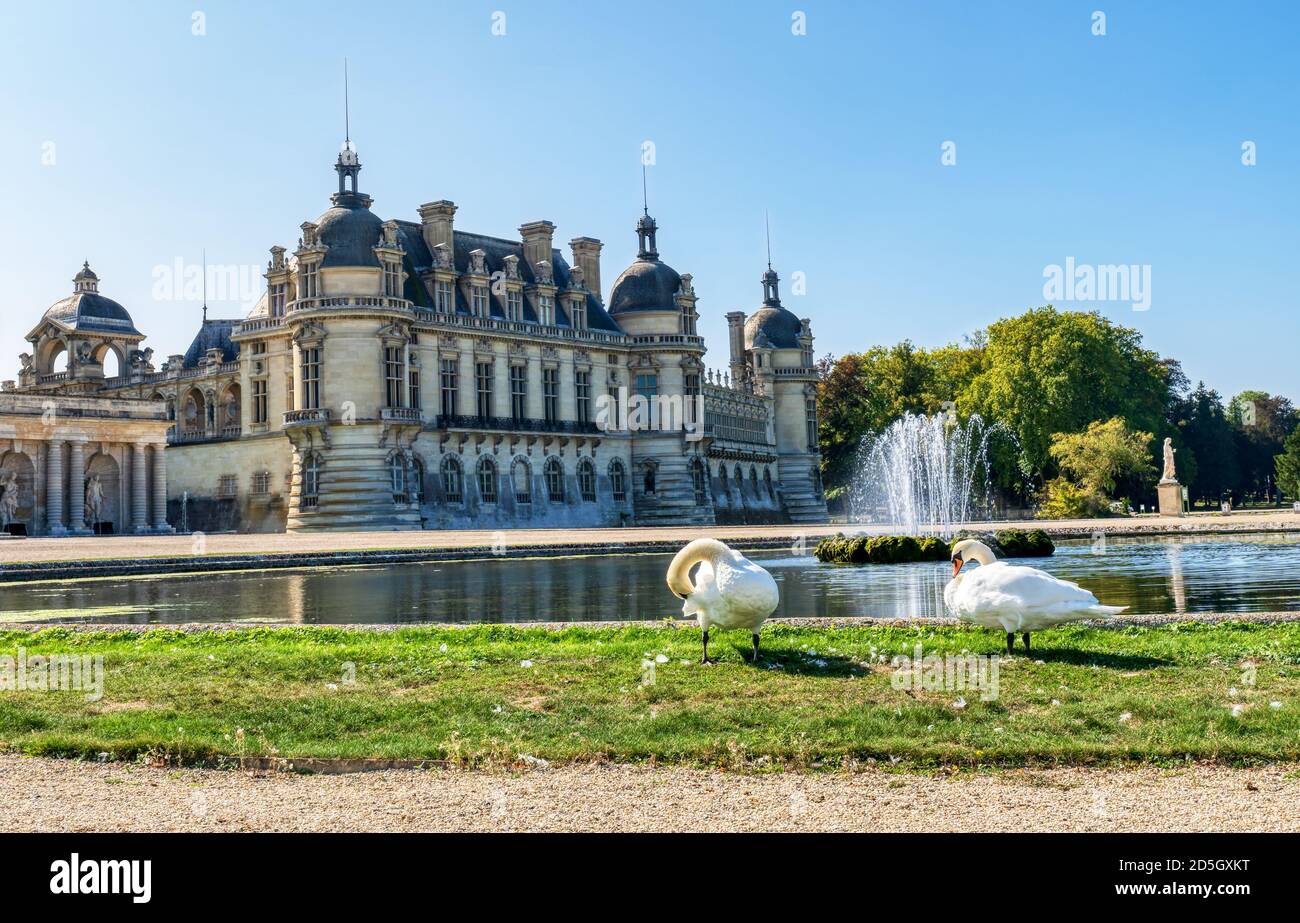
[1124, 148]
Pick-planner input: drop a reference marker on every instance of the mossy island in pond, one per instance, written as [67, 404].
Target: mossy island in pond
[903, 549]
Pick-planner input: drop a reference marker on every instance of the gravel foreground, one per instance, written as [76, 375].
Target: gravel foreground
[57, 795]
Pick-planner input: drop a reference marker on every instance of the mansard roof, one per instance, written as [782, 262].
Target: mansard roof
[418, 260]
[213, 334]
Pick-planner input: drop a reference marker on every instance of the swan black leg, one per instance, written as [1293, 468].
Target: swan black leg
[1011, 642]
[755, 647]
[705, 658]
[1026, 642]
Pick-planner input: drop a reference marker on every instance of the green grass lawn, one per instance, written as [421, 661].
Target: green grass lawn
[819, 698]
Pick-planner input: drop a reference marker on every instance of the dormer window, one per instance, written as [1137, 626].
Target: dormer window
[443, 300]
[546, 310]
[479, 300]
[514, 304]
[311, 280]
[578, 313]
[277, 299]
[392, 279]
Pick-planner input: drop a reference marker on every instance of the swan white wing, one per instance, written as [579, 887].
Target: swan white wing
[1019, 598]
[747, 594]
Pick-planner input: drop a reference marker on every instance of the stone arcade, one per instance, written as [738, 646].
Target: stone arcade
[408, 374]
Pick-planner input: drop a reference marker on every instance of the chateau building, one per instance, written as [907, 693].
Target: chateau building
[411, 375]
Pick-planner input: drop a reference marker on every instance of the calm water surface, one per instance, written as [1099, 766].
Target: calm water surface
[1258, 573]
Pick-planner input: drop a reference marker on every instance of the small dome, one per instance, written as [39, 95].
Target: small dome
[350, 233]
[92, 311]
[646, 285]
[779, 326]
[86, 275]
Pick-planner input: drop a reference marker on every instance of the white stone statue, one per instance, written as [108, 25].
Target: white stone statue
[94, 500]
[8, 497]
[1169, 477]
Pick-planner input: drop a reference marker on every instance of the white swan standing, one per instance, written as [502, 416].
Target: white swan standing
[1014, 598]
[730, 591]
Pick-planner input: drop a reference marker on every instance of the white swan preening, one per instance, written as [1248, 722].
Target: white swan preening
[730, 591]
[1014, 598]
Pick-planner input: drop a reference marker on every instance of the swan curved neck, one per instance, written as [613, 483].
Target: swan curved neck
[679, 572]
[982, 554]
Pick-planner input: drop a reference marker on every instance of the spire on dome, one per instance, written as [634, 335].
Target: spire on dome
[771, 281]
[348, 164]
[646, 229]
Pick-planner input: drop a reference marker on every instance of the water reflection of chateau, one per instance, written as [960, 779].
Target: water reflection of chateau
[407, 374]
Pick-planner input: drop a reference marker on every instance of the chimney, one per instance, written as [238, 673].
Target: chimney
[436, 220]
[537, 236]
[736, 340]
[586, 256]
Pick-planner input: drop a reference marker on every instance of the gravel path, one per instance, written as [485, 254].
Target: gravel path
[56, 795]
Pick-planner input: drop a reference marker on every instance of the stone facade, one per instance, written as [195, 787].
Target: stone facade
[410, 375]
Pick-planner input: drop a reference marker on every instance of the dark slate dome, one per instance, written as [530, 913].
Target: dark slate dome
[350, 232]
[92, 311]
[86, 309]
[779, 326]
[646, 285]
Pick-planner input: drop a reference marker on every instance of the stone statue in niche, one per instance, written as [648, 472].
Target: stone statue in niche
[8, 498]
[94, 500]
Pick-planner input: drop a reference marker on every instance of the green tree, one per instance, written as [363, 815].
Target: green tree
[1208, 434]
[1049, 371]
[1288, 465]
[1104, 455]
[1261, 423]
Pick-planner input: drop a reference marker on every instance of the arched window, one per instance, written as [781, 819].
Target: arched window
[698, 480]
[753, 480]
[587, 480]
[722, 477]
[487, 479]
[453, 488]
[740, 480]
[767, 479]
[618, 481]
[417, 480]
[554, 472]
[309, 496]
[521, 476]
[397, 476]
[649, 482]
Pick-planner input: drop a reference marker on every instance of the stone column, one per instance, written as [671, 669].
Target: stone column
[54, 488]
[139, 488]
[77, 487]
[160, 490]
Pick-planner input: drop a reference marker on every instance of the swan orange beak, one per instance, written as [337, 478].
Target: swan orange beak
[956, 565]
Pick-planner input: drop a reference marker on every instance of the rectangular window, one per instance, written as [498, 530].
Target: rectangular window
[613, 421]
[277, 300]
[310, 377]
[310, 280]
[449, 387]
[443, 300]
[288, 393]
[415, 388]
[545, 309]
[483, 379]
[259, 400]
[812, 424]
[514, 304]
[227, 486]
[578, 314]
[393, 376]
[518, 392]
[551, 394]
[582, 391]
[647, 386]
[692, 386]
[392, 280]
[479, 300]
[261, 483]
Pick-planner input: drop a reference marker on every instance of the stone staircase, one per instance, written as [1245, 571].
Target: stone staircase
[673, 502]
